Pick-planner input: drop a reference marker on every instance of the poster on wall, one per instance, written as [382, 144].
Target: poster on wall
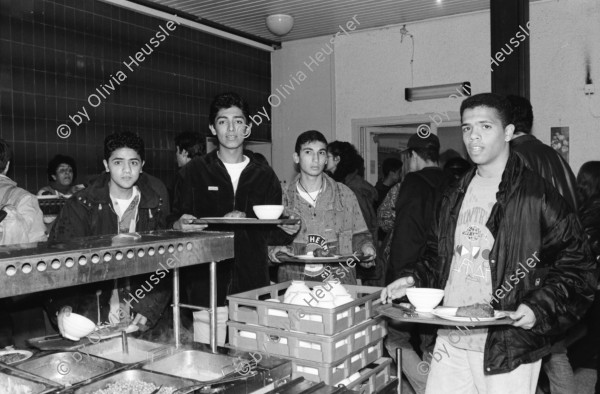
[559, 139]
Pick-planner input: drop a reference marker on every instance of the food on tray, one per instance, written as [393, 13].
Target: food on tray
[235, 214]
[321, 253]
[12, 358]
[475, 310]
[133, 387]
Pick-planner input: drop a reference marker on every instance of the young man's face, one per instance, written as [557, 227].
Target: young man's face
[64, 174]
[312, 158]
[484, 136]
[230, 127]
[124, 166]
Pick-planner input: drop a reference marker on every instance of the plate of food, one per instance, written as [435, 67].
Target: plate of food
[12, 356]
[469, 313]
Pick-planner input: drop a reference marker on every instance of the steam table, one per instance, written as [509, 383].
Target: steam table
[35, 267]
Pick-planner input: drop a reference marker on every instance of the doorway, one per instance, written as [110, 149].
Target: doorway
[379, 138]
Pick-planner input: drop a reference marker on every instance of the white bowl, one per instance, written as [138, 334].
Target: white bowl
[424, 299]
[76, 326]
[268, 211]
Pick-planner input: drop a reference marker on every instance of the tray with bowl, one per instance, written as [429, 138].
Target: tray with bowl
[224, 220]
[442, 316]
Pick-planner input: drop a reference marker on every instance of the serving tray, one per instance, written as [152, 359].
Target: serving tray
[223, 220]
[397, 313]
[309, 259]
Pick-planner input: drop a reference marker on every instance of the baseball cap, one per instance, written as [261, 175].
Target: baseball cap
[416, 141]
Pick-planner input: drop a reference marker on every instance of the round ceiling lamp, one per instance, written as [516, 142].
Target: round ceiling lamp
[280, 24]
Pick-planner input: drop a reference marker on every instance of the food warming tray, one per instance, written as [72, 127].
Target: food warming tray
[155, 378]
[139, 350]
[11, 384]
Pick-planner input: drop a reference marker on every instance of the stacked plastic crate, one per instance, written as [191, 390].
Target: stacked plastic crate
[340, 345]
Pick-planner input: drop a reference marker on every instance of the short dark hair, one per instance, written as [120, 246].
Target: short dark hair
[428, 154]
[57, 161]
[5, 154]
[588, 182]
[390, 164]
[457, 166]
[308, 137]
[350, 160]
[192, 142]
[125, 139]
[522, 114]
[227, 100]
[490, 100]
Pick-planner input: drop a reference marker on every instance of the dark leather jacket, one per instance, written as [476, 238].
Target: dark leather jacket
[530, 221]
[548, 163]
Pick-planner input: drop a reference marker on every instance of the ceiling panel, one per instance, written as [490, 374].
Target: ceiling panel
[315, 18]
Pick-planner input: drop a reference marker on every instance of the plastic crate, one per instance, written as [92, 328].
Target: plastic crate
[331, 373]
[319, 348]
[373, 378]
[251, 307]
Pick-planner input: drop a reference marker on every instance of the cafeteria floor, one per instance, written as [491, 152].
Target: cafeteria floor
[585, 380]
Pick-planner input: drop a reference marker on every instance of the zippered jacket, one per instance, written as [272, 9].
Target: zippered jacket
[540, 258]
[203, 188]
[90, 213]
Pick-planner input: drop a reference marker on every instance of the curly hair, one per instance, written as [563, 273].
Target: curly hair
[57, 161]
[588, 182]
[192, 142]
[350, 160]
[227, 100]
[124, 139]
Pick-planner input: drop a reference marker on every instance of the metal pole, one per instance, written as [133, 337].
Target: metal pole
[213, 307]
[399, 368]
[176, 310]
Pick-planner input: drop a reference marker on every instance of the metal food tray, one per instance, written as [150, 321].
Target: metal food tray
[155, 378]
[334, 372]
[250, 307]
[67, 368]
[35, 387]
[139, 350]
[319, 348]
[241, 221]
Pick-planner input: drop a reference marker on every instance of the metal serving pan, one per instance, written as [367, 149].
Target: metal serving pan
[139, 350]
[137, 374]
[67, 368]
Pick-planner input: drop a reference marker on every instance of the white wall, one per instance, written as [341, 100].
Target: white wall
[309, 106]
[562, 34]
[372, 68]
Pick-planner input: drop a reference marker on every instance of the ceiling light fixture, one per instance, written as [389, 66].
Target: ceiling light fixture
[452, 90]
[280, 24]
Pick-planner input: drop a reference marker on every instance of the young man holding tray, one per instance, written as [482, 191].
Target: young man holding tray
[499, 218]
[228, 182]
[332, 221]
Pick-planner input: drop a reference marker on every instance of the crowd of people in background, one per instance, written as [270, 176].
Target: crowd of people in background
[413, 227]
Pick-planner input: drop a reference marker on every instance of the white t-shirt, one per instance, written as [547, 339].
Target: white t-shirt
[121, 206]
[235, 170]
[311, 197]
